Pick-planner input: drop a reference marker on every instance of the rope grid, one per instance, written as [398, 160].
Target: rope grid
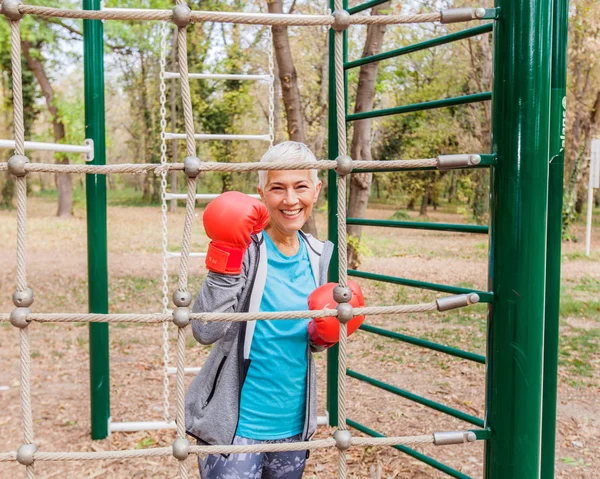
[22, 316]
[234, 167]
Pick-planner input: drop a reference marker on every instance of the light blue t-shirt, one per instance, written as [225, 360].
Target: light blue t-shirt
[273, 398]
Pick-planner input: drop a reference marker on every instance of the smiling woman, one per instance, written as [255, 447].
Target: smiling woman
[289, 195]
[259, 382]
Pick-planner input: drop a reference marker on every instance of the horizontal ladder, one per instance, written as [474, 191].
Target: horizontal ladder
[217, 136]
[219, 76]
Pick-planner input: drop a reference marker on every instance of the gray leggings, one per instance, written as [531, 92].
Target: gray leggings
[266, 465]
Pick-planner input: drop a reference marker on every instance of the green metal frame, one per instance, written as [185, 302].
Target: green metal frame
[555, 198]
[93, 60]
[526, 163]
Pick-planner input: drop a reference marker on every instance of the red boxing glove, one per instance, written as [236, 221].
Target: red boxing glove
[229, 220]
[326, 331]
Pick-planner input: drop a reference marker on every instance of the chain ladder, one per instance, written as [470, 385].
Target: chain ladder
[163, 207]
[271, 86]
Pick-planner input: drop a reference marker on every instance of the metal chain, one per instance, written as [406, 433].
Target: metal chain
[271, 87]
[163, 207]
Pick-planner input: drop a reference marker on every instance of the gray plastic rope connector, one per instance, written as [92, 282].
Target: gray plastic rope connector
[345, 312]
[343, 439]
[341, 20]
[455, 15]
[18, 317]
[458, 301]
[341, 294]
[16, 165]
[181, 448]
[10, 9]
[448, 162]
[181, 317]
[23, 299]
[25, 454]
[344, 165]
[182, 298]
[191, 166]
[454, 437]
[182, 15]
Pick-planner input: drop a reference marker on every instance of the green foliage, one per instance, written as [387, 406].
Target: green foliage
[359, 247]
[400, 215]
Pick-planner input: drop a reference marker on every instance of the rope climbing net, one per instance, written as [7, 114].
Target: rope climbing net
[166, 195]
[19, 166]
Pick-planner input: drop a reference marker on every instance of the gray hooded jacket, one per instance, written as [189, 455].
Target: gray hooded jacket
[213, 398]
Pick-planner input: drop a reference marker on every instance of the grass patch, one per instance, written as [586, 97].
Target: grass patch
[571, 307]
[578, 348]
[588, 284]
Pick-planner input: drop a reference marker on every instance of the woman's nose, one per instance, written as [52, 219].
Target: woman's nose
[290, 196]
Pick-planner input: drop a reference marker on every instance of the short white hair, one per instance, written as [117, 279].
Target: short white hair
[287, 151]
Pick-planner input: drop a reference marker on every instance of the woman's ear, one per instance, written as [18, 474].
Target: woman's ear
[318, 189]
[260, 193]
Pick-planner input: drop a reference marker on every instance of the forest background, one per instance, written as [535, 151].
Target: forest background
[54, 103]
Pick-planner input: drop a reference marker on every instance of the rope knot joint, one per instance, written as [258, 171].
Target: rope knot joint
[341, 20]
[23, 299]
[343, 439]
[182, 15]
[18, 317]
[345, 312]
[344, 165]
[25, 454]
[181, 317]
[16, 165]
[191, 166]
[182, 298]
[10, 9]
[181, 448]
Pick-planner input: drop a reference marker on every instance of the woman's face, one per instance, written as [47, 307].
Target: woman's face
[289, 196]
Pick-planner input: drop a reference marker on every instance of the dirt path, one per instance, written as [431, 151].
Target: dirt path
[57, 273]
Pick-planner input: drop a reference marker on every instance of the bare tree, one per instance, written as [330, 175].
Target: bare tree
[360, 149]
[63, 180]
[290, 93]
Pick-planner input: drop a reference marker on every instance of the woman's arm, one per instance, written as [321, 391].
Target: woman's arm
[219, 293]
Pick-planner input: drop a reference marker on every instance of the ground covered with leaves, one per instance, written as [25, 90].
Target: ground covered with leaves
[57, 272]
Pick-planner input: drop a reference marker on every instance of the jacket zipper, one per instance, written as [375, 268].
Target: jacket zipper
[307, 407]
[241, 341]
[214, 386]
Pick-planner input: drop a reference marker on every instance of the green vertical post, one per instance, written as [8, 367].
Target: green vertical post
[332, 192]
[560, 30]
[520, 138]
[93, 61]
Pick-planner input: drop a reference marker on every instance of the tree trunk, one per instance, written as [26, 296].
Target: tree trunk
[64, 182]
[290, 93]
[425, 199]
[586, 128]
[360, 183]
[287, 76]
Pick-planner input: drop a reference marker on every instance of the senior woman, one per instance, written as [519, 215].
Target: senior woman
[258, 384]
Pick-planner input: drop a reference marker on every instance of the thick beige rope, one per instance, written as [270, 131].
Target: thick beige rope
[203, 450]
[227, 17]
[217, 317]
[216, 166]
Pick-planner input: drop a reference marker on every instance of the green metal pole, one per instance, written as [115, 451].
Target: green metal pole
[332, 233]
[560, 30]
[93, 59]
[521, 121]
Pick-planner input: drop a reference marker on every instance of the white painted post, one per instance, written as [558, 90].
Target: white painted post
[594, 182]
